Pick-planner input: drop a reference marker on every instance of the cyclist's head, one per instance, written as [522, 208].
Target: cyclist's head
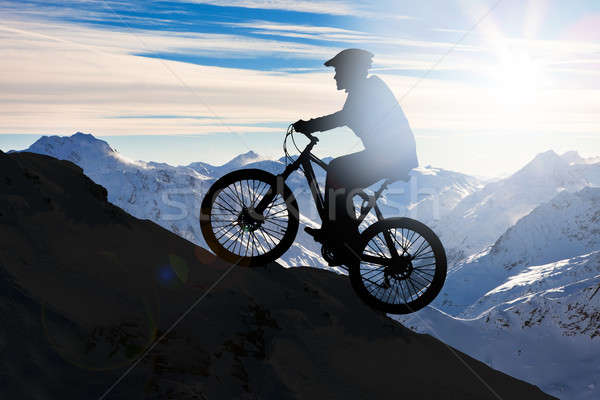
[351, 65]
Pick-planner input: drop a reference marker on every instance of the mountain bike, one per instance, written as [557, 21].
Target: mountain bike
[251, 217]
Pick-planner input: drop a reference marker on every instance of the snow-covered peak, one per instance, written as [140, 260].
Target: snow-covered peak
[202, 168]
[78, 141]
[572, 157]
[565, 227]
[553, 278]
[243, 159]
[480, 218]
[85, 150]
[543, 165]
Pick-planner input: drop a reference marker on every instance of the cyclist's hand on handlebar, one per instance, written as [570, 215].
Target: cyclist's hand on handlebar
[302, 127]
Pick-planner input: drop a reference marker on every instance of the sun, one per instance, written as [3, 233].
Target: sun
[518, 80]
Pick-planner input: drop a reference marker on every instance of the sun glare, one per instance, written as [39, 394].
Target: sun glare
[519, 80]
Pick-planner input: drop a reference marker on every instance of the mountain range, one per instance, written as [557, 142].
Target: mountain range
[171, 195]
[100, 304]
[527, 305]
[523, 261]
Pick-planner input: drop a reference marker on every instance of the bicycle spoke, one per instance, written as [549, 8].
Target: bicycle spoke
[274, 223]
[268, 237]
[235, 199]
[269, 216]
[424, 265]
[231, 192]
[425, 258]
[220, 228]
[212, 214]
[258, 241]
[227, 231]
[228, 207]
[387, 300]
[373, 272]
[249, 193]
[404, 298]
[272, 234]
[371, 282]
[415, 243]
[409, 241]
[425, 279]
[234, 237]
[423, 272]
[380, 251]
[400, 244]
[416, 255]
[261, 191]
[417, 291]
[423, 242]
[375, 250]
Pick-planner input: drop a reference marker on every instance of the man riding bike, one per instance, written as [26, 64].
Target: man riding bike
[374, 115]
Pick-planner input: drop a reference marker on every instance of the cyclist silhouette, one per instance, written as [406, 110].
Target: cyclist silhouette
[396, 264]
[372, 112]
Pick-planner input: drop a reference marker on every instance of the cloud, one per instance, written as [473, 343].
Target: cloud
[53, 83]
[63, 77]
[330, 7]
[139, 40]
[326, 33]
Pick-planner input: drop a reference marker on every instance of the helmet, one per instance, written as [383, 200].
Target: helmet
[356, 58]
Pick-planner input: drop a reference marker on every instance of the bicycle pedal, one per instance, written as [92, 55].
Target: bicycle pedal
[317, 234]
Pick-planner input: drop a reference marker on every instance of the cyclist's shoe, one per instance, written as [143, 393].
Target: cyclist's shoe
[344, 245]
[318, 234]
[340, 246]
[347, 248]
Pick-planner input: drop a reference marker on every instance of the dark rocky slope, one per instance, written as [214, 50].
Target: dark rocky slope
[85, 287]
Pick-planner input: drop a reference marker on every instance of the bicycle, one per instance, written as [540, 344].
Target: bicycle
[400, 264]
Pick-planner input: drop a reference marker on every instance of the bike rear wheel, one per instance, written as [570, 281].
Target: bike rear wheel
[402, 266]
[235, 232]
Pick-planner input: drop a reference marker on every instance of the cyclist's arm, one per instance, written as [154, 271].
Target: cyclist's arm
[327, 122]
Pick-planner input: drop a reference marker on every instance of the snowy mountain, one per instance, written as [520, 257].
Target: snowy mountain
[555, 279]
[89, 296]
[565, 227]
[526, 249]
[431, 194]
[528, 304]
[542, 325]
[236, 163]
[171, 196]
[481, 217]
[573, 157]
[167, 195]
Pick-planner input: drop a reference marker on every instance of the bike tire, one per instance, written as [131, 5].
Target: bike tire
[220, 205]
[428, 273]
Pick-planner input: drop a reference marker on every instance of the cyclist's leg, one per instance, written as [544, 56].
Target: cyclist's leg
[344, 175]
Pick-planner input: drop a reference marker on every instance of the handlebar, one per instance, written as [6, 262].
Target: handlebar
[310, 137]
[290, 134]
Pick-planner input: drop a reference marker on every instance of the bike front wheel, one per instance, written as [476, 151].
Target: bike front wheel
[402, 266]
[232, 228]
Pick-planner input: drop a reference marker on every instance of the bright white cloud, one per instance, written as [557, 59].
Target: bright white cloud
[338, 34]
[331, 7]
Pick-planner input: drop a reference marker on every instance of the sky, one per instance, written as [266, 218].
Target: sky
[485, 85]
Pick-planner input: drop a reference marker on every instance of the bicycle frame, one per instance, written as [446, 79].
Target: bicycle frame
[304, 161]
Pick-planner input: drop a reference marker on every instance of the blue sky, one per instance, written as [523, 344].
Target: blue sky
[485, 84]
